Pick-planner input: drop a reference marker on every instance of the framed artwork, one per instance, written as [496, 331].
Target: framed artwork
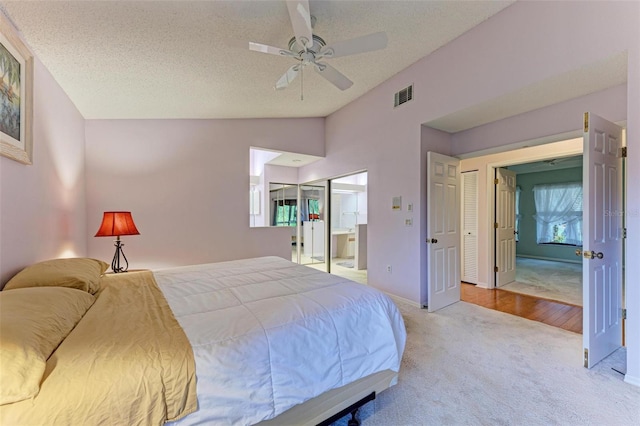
[16, 95]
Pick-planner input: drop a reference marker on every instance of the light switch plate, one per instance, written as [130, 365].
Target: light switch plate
[396, 203]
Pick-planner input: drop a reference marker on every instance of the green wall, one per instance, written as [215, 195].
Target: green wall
[527, 245]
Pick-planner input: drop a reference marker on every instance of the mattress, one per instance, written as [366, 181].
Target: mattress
[268, 334]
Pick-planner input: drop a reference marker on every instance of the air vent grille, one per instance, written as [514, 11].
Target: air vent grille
[403, 96]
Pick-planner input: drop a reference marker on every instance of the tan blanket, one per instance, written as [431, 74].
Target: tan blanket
[127, 362]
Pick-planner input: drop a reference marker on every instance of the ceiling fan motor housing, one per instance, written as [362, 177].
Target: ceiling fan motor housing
[318, 43]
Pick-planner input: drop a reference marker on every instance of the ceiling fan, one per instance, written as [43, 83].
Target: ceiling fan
[309, 49]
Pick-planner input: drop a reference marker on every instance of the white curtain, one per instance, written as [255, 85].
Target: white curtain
[559, 205]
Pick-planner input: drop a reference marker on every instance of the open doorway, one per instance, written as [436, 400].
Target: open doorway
[480, 233]
[349, 227]
[478, 184]
[602, 194]
[343, 226]
[544, 227]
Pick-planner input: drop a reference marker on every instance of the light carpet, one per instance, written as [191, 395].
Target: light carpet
[561, 281]
[467, 365]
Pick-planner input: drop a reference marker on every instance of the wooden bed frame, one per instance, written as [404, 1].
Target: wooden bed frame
[334, 404]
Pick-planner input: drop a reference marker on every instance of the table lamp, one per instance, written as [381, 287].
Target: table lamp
[116, 224]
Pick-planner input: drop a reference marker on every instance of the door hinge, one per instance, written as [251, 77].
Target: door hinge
[586, 358]
[496, 269]
[623, 152]
[495, 225]
[623, 313]
[496, 181]
[586, 122]
[624, 232]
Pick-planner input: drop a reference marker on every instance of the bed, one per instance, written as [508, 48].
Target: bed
[255, 341]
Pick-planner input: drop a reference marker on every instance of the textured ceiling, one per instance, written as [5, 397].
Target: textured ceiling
[183, 59]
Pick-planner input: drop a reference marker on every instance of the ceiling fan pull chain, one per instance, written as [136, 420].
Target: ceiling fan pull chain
[301, 83]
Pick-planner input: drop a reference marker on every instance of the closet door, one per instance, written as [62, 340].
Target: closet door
[470, 227]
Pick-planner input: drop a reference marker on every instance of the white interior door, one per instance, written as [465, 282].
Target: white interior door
[443, 227]
[505, 227]
[602, 239]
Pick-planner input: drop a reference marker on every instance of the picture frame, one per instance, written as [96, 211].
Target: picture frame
[16, 95]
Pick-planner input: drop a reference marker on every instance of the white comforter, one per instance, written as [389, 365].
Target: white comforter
[268, 334]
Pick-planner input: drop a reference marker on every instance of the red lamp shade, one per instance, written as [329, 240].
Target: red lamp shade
[115, 224]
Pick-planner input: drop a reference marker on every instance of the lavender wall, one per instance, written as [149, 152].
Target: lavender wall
[42, 206]
[369, 134]
[186, 183]
[525, 44]
[564, 118]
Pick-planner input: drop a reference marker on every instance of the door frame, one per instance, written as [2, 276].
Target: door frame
[537, 154]
[327, 183]
[491, 194]
[331, 208]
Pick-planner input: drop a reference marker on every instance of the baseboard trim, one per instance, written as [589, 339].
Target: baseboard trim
[632, 380]
[483, 285]
[402, 299]
[553, 259]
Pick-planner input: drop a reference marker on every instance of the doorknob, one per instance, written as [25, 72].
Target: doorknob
[432, 241]
[592, 254]
[578, 252]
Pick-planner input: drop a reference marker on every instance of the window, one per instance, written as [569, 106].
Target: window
[286, 211]
[314, 209]
[558, 213]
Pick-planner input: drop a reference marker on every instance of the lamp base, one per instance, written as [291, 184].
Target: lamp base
[115, 263]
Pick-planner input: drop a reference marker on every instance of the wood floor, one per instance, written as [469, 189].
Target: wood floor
[568, 317]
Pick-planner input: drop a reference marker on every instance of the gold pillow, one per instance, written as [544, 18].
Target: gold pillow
[81, 273]
[33, 323]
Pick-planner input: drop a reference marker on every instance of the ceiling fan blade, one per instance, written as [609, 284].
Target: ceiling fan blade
[288, 77]
[258, 47]
[362, 44]
[333, 76]
[301, 21]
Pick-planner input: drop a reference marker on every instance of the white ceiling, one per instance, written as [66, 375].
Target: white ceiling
[551, 164]
[183, 59]
[190, 59]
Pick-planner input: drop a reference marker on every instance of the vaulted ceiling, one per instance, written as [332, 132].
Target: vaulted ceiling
[190, 59]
